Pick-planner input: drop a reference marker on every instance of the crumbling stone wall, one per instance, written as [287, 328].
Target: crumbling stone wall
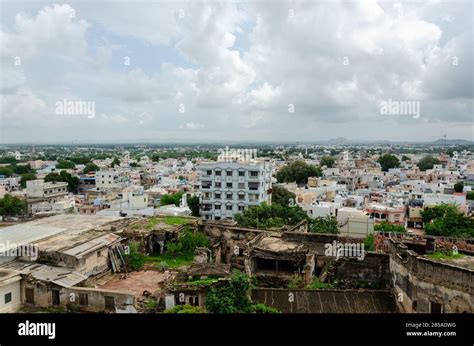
[419, 282]
[374, 268]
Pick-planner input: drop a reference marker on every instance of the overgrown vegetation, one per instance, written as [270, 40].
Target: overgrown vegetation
[326, 224]
[12, 206]
[388, 161]
[427, 162]
[444, 255]
[298, 172]
[369, 243]
[184, 309]
[446, 220]
[270, 216]
[264, 309]
[232, 297]
[386, 226]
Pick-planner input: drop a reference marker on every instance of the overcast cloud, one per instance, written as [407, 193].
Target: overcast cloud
[261, 70]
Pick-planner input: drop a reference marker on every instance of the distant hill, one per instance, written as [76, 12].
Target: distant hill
[442, 141]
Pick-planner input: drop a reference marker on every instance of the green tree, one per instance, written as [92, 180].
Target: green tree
[427, 162]
[80, 160]
[459, 187]
[65, 164]
[405, 158]
[22, 169]
[115, 162]
[386, 226]
[388, 161]
[174, 198]
[6, 171]
[369, 243]
[470, 195]
[298, 172]
[282, 196]
[12, 206]
[90, 167]
[446, 220]
[328, 161]
[193, 203]
[270, 216]
[231, 298]
[326, 224]
[25, 177]
[155, 157]
[72, 182]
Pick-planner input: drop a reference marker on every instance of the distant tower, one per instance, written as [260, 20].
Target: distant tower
[34, 149]
[445, 139]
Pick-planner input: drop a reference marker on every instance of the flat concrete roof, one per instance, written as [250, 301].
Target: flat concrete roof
[54, 231]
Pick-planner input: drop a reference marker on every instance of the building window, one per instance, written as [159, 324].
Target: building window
[229, 196]
[109, 302]
[254, 173]
[241, 208]
[241, 173]
[229, 185]
[218, 173]
[208, 172]
[241, 186]
[228, 207]
[228, 173]
[218, 184]
[83, 299]
[217, 196]
[8, 298]
[217, 207]
[241, 197]
[99, 253]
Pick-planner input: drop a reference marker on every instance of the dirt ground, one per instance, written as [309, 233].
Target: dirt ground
[136, 282]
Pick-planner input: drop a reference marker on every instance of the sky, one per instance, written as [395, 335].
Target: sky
[258, 70]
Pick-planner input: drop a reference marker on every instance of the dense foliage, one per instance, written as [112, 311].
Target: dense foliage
[282, 196]
[298, 172]
[427, 162]
[270, 216]
[12, 206]
[90, 167]
[388, 161]
[326, 224]
[327, 161]
[187, 242]
[232, 297]
[446, 220]
[184, 309]
[72, 182]
[386, 226]
[174, 198]
[193, 204]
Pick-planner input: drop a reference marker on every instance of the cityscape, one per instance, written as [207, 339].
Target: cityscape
[249, 158]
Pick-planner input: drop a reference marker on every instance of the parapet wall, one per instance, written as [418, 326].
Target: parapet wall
[325, 301]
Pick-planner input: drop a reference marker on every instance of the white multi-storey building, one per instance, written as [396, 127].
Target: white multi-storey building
[228, 188]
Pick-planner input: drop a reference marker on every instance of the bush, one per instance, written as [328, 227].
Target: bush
[386, 226]
[135, 259]
[369, 243]
[264, 309]
[184, 309]
[230, 298]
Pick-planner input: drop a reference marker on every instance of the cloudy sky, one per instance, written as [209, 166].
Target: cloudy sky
[236, 70]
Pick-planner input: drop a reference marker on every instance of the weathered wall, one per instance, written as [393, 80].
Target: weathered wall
[420, 281]
[326, 301]
[96, 297]
[374, 268]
